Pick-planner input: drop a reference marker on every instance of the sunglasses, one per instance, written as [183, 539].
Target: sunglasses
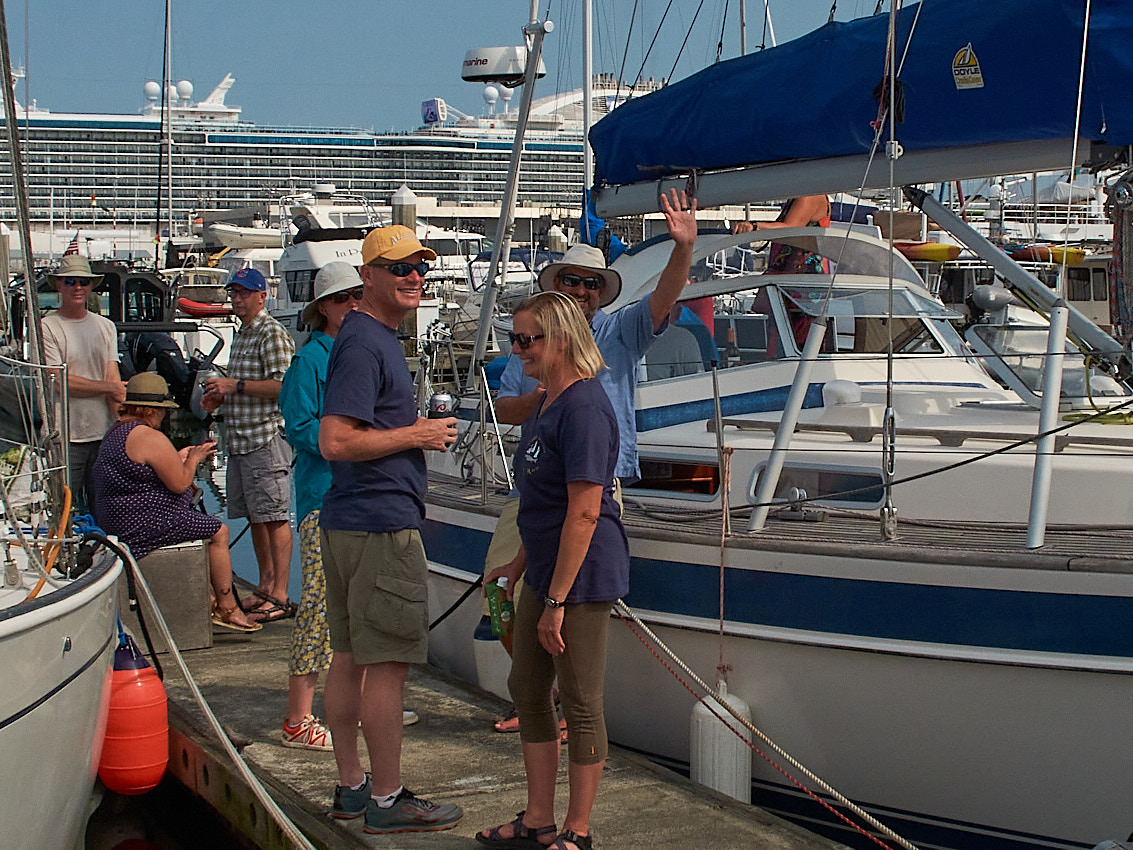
[404, 269]
[77, 281]
[343, 297]
[523, 340]
[570, 281]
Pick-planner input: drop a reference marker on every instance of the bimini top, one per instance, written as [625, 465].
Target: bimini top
[974, 74]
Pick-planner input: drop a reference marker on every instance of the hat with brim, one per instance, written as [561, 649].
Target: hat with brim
[74, 265]
[148, 389]
[331, 278]
[393, 243]
[592, 260]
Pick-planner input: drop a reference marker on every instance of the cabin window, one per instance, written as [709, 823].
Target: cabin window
[1078, 284]
[842, 487]
[144, 301]
[301, 285]
[673, 476]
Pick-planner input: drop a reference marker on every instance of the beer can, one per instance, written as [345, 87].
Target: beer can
[441, 405]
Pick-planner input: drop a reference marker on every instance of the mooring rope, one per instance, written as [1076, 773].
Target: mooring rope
[626, 614]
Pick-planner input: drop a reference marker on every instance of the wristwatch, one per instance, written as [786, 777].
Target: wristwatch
[552, 603]
[240, 387]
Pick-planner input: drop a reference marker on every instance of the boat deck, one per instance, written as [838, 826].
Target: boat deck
[1098, 549]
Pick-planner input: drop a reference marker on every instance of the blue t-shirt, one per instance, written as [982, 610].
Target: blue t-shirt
[368, 380]
[623, 338]
[575, 438]
[301, 402]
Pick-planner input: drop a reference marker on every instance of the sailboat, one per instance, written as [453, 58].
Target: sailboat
[57, 610]
[925, 610]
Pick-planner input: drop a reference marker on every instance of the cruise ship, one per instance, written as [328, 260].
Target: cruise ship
[102, 172]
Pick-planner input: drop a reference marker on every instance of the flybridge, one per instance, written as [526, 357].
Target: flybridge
[727, 124]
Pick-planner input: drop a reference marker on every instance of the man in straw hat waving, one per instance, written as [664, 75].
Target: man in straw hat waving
[88, 344]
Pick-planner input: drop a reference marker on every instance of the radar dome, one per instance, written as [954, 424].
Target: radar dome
[491, 95]
[152, 90]
[184, 89]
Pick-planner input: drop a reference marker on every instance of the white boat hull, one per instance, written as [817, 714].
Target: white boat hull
[55, 661]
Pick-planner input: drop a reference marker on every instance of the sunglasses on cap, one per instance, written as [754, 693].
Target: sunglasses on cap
[524, 341]
[404, 269]
[77, 281]
[346, 295]
[570, 281]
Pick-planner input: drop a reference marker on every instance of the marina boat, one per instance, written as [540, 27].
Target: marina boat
[914, 576]
[57, 628]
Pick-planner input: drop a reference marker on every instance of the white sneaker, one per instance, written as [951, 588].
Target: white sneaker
[409, 717]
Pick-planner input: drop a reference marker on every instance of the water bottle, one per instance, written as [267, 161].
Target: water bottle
[501, 610]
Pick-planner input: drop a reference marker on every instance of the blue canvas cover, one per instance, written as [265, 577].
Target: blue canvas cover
[814, 97]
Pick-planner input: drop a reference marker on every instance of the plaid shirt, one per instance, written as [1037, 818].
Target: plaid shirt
[261, 349]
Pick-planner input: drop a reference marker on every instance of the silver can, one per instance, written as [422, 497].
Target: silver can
[441, 406]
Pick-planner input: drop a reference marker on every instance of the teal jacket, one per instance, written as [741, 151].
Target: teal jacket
[301, 400]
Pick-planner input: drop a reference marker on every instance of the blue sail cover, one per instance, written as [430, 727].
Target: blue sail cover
[814, 97]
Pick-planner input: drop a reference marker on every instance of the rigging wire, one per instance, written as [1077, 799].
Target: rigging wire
[652, 44]
[625, 53]
[688, 34]
[723, 26]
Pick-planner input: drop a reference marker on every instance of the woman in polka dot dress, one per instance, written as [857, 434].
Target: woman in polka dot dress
[144, 492]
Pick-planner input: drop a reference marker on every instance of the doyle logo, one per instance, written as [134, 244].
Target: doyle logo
[966, 71]
[534, 451]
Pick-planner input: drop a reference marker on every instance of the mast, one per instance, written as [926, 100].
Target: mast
[501, 252]
[169, 110]
[587, 100]
[55, 441]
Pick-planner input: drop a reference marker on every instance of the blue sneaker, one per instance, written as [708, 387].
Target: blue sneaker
[410, 813]
[351, 803]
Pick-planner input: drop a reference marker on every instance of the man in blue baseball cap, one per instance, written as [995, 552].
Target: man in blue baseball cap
[259, 459]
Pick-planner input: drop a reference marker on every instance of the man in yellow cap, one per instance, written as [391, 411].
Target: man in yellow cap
[373, 558]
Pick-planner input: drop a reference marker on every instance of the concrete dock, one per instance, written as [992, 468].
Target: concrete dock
[451, 755]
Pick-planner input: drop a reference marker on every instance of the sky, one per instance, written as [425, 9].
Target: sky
[359, 63]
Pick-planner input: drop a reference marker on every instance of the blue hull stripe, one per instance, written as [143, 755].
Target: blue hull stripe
[962, 616]
[760, 401]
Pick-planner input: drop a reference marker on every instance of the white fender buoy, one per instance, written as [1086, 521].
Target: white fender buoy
[719, 758]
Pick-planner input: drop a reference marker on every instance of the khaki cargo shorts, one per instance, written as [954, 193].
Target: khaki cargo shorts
[377, 600]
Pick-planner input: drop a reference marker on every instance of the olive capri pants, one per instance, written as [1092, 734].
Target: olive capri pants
[581, 671]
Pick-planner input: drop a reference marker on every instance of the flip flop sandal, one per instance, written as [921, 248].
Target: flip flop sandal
[510, 723]
[223, 618]
[523, 837]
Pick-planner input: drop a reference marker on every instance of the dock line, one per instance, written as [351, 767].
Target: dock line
[285, 824]
[626, 614]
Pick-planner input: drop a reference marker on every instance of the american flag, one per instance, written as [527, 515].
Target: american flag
[73, 246]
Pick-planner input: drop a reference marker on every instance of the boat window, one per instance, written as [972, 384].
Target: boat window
[677, 477]
[300, 285]
[1078, 284]
[1101, 285]
[1022, 351]
[849, 488]
[144, 301]
[444, 247]
[859, 322]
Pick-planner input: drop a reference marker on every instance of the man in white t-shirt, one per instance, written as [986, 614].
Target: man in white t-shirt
[88, 344]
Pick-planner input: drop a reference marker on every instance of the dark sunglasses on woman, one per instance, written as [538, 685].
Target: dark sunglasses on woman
[346, 295]
[524, 341]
